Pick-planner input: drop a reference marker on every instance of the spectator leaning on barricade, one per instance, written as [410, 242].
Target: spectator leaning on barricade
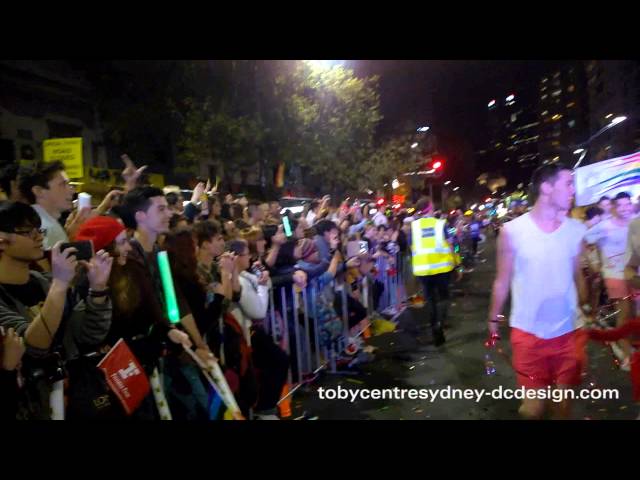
[139, 305]
[45, 310]
[271, 362]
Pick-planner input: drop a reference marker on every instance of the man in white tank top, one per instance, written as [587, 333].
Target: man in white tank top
[538, 260]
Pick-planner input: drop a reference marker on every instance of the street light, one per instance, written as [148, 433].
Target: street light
[583, 151]
[324, 64]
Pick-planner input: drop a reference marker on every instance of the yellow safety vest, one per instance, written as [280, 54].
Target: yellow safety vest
[432, 254]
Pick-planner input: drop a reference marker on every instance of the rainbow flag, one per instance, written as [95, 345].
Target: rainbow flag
[608, 177]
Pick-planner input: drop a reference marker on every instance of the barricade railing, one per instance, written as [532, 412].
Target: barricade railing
[316, 336]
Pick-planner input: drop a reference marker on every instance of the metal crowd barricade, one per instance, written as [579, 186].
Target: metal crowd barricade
[313, 343]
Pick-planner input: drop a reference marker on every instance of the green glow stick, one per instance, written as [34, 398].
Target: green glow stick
[167, 285]
[287, 226]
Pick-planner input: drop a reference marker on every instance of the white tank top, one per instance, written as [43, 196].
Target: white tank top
[544, 297]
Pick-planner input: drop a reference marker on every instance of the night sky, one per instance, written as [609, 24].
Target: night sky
[450, 96]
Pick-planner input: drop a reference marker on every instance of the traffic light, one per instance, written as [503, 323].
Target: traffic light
[437, 164]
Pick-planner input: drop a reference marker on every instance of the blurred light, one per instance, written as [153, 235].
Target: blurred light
[618, 120]
[473, 207]
[609, 116]
[557, 117]
[414, 145]
[411, 210]
[395, 184]
[455, 189]
[510, 98]
[488, 200]
[481, 207]
[452, 212]
[429, 172]
[578, 151]
[447, 182]
[468, 212]
[380, 201]
[437, 165]
[491, 103]
[293, 210]
[423, 129]
[324, 64]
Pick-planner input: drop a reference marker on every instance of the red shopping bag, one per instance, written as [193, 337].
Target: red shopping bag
[125, 376]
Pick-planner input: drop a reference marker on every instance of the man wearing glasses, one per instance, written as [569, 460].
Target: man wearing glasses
[42, 309]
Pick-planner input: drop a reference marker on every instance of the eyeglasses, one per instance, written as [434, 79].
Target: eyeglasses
[31, 232]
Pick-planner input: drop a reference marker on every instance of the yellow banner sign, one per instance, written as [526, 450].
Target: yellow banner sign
[68, 151]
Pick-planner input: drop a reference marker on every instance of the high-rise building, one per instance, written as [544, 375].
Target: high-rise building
[562, 113]
[512, 151]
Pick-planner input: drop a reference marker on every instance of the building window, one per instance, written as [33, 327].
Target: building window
[572, 123]
[571, 104]
[543, 97]
[555, 93]
[571, 88]
[25, 134]
[545, 79]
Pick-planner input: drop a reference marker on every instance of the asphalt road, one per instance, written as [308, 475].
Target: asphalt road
[407, 359]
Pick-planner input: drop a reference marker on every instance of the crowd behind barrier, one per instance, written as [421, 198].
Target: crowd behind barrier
[251, 304]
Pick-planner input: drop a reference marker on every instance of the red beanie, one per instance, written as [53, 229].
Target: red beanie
[102, 231]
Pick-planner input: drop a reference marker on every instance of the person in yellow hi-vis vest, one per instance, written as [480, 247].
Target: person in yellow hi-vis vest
[433, 260]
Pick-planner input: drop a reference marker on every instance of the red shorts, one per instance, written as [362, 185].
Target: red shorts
[539, 363]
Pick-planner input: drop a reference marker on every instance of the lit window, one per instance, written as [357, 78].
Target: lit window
[571, 104]
[546, 112]
[571, 88]
[557, 116]
[544, 96]
[545, 79]
[572, 123]
[555, 143]
[556, 92]
[556, 75]
[514, 117]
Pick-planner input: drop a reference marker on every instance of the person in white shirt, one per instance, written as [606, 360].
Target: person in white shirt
[539, 262]
[605, 205]
[269, 359]
[314, 208]
[49, 192]
[611, 236]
